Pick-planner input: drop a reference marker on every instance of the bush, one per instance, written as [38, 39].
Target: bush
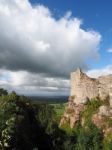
[90, 108]
[107, 143]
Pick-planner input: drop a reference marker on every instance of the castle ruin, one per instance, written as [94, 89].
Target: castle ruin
[84, 87]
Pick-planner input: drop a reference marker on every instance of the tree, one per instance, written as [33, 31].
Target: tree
[88, 138]
[3, 92]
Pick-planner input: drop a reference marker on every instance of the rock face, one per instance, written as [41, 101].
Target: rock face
[84, 88]
[72, 114]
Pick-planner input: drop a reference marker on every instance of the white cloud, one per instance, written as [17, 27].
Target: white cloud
[24, 82]
[39, 51]
[32, 39]
[100, 72]
[109, 50]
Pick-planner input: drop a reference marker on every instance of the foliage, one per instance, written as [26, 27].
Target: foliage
[25, 125]
[66, 127]
[3, 92]
[59, 110]
[88, 138]
[91, 108]
[108, 121]
[107, 143]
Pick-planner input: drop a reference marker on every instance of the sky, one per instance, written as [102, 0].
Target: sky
[43, 41]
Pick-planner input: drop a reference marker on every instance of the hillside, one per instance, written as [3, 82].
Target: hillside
[33, 125]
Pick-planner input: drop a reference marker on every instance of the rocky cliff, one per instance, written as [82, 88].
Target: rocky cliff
[90, 98]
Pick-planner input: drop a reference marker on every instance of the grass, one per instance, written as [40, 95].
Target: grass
[59, 108]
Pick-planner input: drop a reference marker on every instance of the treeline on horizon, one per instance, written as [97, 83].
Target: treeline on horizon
[27, 125]
[49, 99]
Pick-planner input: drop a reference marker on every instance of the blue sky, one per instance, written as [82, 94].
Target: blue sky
[96, 15]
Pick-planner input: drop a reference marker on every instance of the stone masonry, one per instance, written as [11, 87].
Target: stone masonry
[84, 87]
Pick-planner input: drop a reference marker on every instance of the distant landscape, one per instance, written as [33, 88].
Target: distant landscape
[50, 99]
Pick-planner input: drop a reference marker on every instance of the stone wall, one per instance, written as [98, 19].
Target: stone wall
[84, 87]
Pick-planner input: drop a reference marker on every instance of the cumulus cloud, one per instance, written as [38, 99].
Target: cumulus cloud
[100, 72]
[31, 39]
[37, 51]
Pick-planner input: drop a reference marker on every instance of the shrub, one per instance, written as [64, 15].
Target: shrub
[90, 108]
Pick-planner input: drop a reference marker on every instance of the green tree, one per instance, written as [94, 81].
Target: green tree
[3, 92]
[88, 138]
[107, 143]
